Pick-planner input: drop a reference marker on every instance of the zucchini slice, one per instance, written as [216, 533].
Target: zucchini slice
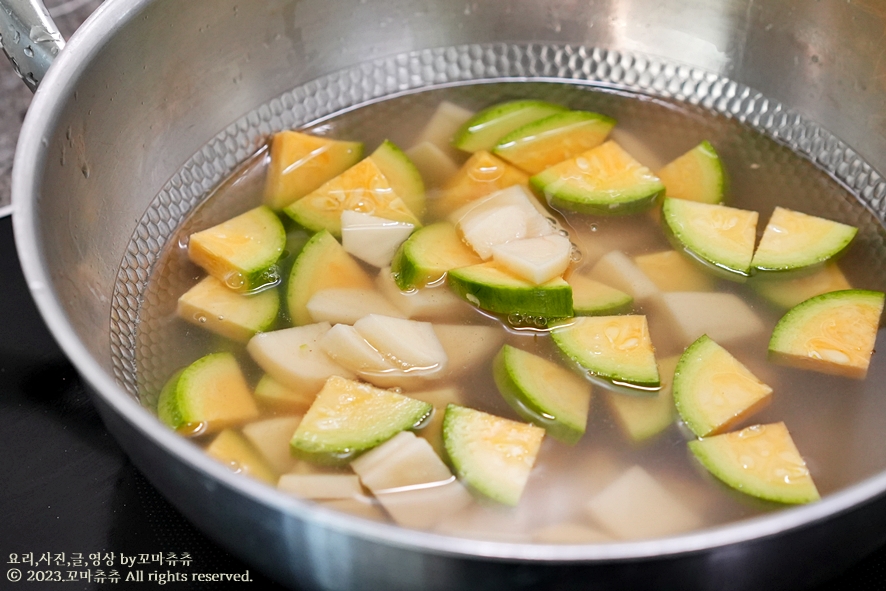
[721, 238]
[790, 291]
[761, 461]
[491, 455]
[372, 239]
[242, 251]
[713, 391]
[539, 259]
[207, 396]
[604, 180]
[490, 288]
[211, 305]
[363, 188]
[294, 358]
[426, 256]
[670, 270]
[543, 392]
[237, 453]
[322, 264]
[643, 417]
[549, 141]
[794, 241]
[614, 350]
[350, 417]
[480, 176]
[402, 174]
[697, 175]
[484, 130]
[301, 163]
[592, 298]
[832, 333]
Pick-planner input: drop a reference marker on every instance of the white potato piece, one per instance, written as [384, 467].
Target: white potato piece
[426, 303]
[442, 125]
[435, 165]
[321, 486]
[673, 271]
[616, 269]
[348, 347]
[362, 506]
[535, 259]
[510, 214]
[387, 352]
[488, 522]
[636, 506]
[372, 239]
[724, 317]
[489, 228]
[271, 438]
[410, 345]
[411, 481]
[468, 346]
[293, 356]
[347, 305]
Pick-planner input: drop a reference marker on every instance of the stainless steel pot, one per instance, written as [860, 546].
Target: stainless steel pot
[153, 101]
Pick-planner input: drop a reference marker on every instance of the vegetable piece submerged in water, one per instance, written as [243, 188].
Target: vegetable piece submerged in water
[615, 350]
[832, 333]
[761, 461]
[348, 418]
[713, 390]
[543, 392]
[207, 396]
[491, 454]
[241, 252]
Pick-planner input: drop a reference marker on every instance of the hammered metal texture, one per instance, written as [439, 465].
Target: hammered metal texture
[137, 313]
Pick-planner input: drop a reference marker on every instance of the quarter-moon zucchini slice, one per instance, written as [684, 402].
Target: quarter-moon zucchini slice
[484, 130]
[207, 396]
[604, 180]
[721, 238]
[614, 350]
[350, 417]
[761, 461]
[549, 141]
[490, 288]
[713, 390]
[491, 455]
[428, 254]
[832, 333]
[241, 252]
[697, 175]
[363, 188]
[794, 241]
[322, 264]
[543, 392]
[301, 162]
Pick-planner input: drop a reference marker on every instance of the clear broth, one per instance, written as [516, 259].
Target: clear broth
[837, 423]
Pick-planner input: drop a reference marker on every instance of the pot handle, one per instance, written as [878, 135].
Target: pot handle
[29, 38]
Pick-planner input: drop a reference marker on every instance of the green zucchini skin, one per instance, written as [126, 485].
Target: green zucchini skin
[481, 288]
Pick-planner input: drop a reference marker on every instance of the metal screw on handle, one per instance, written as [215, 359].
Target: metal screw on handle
[29, 38]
